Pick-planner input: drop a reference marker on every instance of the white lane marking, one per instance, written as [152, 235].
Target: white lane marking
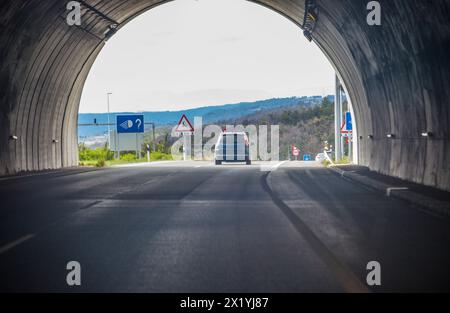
[206, 164]
[279, 164]
[143, 164]
[271, 166]
[390, 189]
[15, 243]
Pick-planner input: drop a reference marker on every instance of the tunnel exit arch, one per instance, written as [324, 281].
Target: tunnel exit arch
[396, 75]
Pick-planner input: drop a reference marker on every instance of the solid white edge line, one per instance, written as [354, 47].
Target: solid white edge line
[271, 167]
[15, 243]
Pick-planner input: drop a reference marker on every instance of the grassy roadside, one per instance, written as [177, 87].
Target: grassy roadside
[124, 159]
[343, 161]
[99, 163]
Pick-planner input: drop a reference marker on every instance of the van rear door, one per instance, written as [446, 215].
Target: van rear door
[234, 147]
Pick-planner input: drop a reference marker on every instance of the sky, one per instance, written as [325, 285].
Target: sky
[194, 53]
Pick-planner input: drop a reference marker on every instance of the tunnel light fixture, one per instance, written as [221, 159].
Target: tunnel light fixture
[310, 18]
[13, 137]
[113, 25]
[308, 35]
[369, 136]
[55, 140]
[390, 135]
[112, 29]
[427, 134]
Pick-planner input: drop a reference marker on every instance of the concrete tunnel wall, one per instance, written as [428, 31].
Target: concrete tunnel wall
[396, 74]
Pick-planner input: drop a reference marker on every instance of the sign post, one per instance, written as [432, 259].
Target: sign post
[348, 122]
[349, 128]
[184, 147]
[295, 152]
[148, 153]
[130, 124]
[186, 129]
[118, 146]
[347, 131]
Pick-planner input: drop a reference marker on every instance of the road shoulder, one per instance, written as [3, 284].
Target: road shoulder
[429, 199]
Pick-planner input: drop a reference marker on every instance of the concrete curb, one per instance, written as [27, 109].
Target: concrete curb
[56, 172]
[430, 205]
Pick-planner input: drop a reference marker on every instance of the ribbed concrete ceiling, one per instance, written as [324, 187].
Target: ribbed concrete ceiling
[397, 76]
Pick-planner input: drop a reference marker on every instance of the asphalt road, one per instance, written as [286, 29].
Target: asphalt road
[195, 227]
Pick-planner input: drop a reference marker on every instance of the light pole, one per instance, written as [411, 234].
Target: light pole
[154, 138]
[109, 129]
[337, 121]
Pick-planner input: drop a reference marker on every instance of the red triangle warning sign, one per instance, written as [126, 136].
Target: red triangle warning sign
[184, 126]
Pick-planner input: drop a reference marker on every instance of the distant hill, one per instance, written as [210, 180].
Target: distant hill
[210, 114]
[306, 127]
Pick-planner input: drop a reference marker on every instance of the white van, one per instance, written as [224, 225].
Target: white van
[232, 147]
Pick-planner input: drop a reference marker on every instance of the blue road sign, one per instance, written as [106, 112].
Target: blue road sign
[348, 122]
[130, 124]
[306, 157]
